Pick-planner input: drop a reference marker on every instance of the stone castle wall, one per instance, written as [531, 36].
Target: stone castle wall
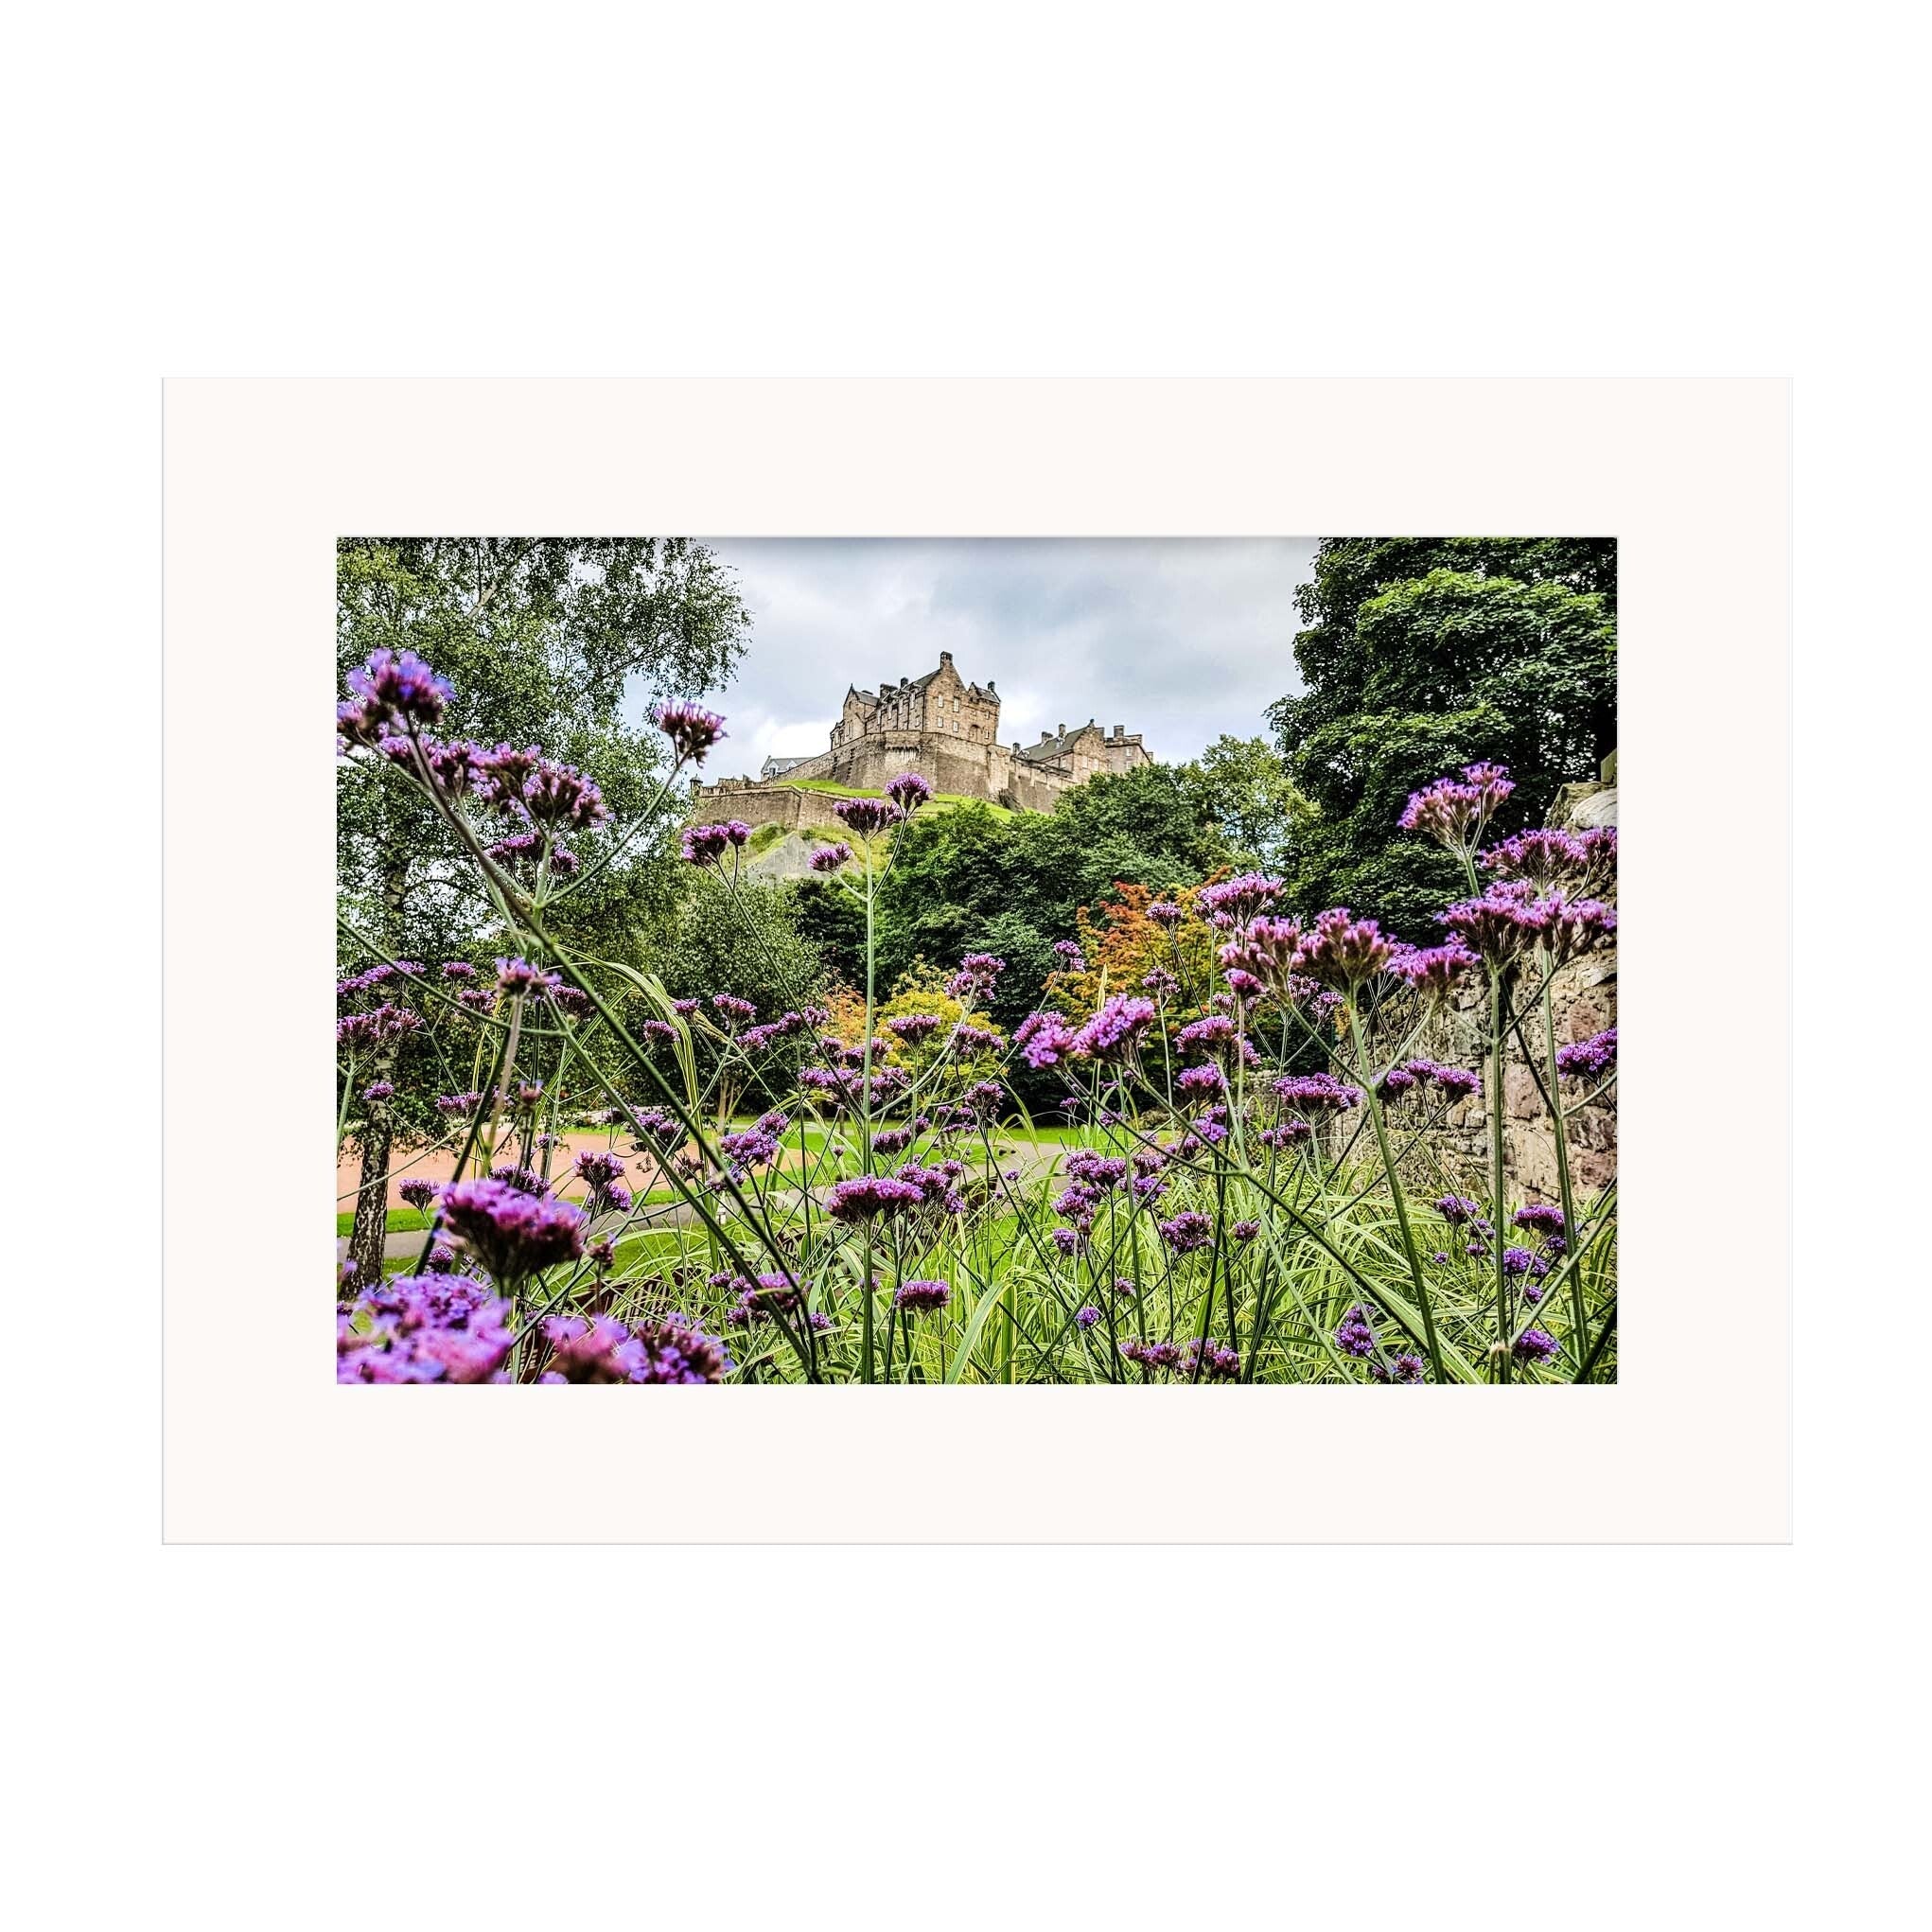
[945, 729]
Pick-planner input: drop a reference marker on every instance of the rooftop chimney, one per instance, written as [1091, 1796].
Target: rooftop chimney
[1059, 730]
[945, 657]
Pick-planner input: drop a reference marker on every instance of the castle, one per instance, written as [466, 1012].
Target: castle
[940, 727]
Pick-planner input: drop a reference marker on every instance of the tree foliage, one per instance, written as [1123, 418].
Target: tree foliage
[1422, 655]
[554, 642]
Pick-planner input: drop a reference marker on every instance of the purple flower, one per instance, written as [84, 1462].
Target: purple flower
[1160, 982]
[917, 1297]
[1456, 1081]
[1521, 1261]
[1085, 1318]
[934, 1186]
[417, 1192]
[692, 730]
[458, 969]
[1214, 1035]
[500, 773]
[1209, 1362]
[457, 1103]
[1396, 1083]
[1542, 1216]
[827, 858]
[705, 845]
[1098, 1170]
[557, 794]
[1315, 1092]
[519, 975]
[733, 1007]
[913, 1027]
[1499, 926]
[1344, 951]
[1186, 1232]
[1588, 1058]
[392, 686]
[1357, 1335]
[1433, 971]
[1165, 912]
[1070, 957]
[1533, 1345]
[597, 1167]
[908, 791]
[512, 1233]
[977, 971]
[1457, 1209]
[1286, 1132]
[378, 1090]
[1455, 813]
[1236, 901]
[1114, 1029]
[1571, 926]
[867, 816]
[1043, 1039]
[372, 1028]
[1398, 1369]
[1196, 1083]
[870, 1196]
[1265, 950]
[1070, 1242]
[1152, 1355]
[1599, 848]
[1243, 984]
[600, 1348]
[1545, 858]
[525, 1180]
[1245, 1230]
[654, 1124]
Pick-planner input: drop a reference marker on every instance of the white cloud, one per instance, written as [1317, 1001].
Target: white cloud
[1179, 638]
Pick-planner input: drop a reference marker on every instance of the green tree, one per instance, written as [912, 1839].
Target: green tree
[744, 941]
[1421, 655]
[554, 642]
[973, 880]
[1249, 796]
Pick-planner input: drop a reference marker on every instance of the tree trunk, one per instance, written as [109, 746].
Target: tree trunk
[372, 1203]
[372, 1199]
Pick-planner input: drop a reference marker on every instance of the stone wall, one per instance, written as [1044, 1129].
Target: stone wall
[757, 804]
[1582, 1002]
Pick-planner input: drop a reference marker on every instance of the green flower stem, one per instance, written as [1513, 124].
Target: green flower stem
[1495, 1174]
[1579, 1319]
[1395, 1195]
[865, 1314]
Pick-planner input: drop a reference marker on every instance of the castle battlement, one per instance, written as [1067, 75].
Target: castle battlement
[946, 729]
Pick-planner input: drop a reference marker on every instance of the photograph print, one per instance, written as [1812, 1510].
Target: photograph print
[752, 969]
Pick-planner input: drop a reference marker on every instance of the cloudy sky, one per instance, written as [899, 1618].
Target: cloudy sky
[1180, 639]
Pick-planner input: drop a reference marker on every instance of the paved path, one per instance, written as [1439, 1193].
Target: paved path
[1030, 1158]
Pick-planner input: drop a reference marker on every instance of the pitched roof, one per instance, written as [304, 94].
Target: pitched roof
[1060, 747]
